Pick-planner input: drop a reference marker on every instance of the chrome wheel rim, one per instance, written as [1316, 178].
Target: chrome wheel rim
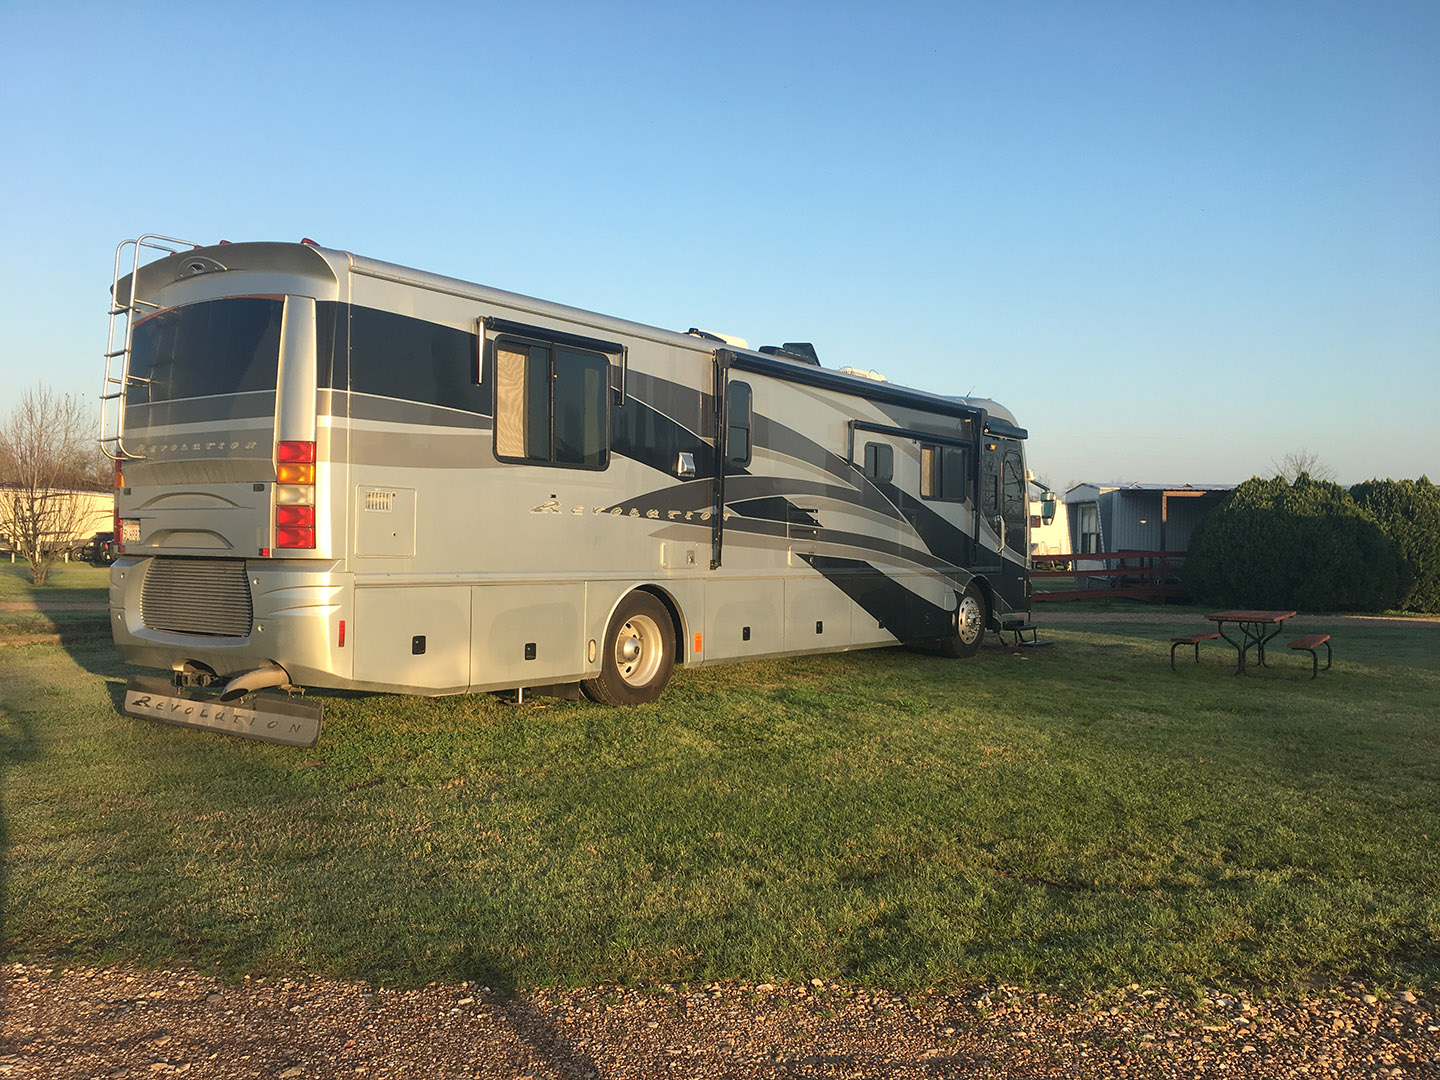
[970, 619]
[639, 650]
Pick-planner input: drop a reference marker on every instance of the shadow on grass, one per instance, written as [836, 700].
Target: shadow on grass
[236, 775]
[854, 803]
[17, 748]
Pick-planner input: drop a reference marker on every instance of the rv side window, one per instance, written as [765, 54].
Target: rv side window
[737, 413]
[879, 462]
[943, 472]
[398, 356]
[550, 404]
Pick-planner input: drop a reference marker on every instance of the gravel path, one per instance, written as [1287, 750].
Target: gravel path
[108, 1022]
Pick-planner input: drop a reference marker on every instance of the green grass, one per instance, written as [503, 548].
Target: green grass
[67, 583]
[21, 623]
[1064, 817]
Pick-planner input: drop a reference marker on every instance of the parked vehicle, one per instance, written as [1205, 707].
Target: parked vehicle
[99, 550]
[338, 472]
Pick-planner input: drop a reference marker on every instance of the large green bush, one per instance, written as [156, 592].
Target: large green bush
[1409, 512]
[1307, 546]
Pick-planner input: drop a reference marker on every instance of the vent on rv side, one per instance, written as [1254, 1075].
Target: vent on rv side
[802, 352]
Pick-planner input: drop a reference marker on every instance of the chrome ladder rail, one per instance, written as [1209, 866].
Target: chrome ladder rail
[112, 419]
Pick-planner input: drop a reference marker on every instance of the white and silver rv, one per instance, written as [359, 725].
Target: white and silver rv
[338, 472]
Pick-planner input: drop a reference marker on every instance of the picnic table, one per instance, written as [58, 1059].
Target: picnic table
[1254, 628]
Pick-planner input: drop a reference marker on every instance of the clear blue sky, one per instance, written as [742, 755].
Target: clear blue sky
[1178, 240]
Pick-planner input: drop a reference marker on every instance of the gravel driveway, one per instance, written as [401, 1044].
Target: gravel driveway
[104, 1022]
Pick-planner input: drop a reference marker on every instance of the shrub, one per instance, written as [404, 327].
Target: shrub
[1306, 545]
[1409, 512]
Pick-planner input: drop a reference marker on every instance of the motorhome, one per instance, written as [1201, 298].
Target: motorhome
[337, 472]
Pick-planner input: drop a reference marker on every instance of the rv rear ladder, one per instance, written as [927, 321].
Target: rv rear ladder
[117, 374]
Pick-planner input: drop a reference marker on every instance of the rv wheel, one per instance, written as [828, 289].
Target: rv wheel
[638, 653]
[970, 616]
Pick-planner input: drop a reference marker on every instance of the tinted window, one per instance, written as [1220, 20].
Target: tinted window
[1014, 485]
[550, 404]
[954, 473]
[943, 473]
[578, 392]
[229, 346]
[401, 357]
[331, 364]
[737, 420]
[990, 480]
[879, 462]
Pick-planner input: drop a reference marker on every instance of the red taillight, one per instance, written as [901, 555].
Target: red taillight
[294, 538]
[303, 452]
[294, 504]
[296, 517]
[342, 634]
[118, 539]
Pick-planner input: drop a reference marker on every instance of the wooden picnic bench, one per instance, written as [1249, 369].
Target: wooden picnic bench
[1190, 639]
[1309, 643]
[1255, 629]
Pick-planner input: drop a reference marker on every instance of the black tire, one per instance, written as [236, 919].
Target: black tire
[637, 655]
[971, 615]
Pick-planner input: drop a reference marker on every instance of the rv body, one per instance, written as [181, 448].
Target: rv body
[368, 477]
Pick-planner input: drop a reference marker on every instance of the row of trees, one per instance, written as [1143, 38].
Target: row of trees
[1309, 544]
[47, 453]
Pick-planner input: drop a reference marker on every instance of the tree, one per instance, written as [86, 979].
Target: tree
[1303, 462]
[1409, 512]
[1305, 545]
[46, 455]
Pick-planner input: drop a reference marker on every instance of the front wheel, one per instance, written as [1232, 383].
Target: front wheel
[969, 632]
[638, 653]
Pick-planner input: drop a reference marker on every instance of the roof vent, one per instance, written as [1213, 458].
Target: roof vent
[724, 339]
[861, 373]
[802, 352]
[191, 265]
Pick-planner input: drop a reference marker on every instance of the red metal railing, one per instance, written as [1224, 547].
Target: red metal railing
[1140, 575]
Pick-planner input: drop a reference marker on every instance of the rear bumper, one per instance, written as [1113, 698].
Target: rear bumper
[294, 620]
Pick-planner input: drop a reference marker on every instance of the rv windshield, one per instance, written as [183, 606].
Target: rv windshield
[228, 346]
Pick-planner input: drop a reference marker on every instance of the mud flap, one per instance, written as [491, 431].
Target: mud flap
[271, 718]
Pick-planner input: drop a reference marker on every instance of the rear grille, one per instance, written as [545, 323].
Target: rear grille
[197, 596]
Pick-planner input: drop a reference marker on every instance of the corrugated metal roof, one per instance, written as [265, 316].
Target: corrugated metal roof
[1155, 487]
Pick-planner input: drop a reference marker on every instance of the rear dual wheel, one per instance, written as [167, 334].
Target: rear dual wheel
[638, 654]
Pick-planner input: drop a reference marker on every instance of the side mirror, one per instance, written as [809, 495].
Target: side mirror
[1047, 507]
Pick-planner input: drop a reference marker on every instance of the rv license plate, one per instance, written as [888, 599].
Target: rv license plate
[267, 717]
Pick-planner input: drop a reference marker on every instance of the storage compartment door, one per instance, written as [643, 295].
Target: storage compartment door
[528, 635]
[413, 638]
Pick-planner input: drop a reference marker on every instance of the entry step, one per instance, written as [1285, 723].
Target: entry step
[1024, 634]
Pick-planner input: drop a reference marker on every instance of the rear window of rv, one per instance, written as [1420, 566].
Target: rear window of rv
[229, 346]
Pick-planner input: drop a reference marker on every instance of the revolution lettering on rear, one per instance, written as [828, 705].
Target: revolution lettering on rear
[268, 718]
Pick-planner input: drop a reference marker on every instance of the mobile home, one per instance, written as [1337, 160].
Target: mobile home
[338, 472]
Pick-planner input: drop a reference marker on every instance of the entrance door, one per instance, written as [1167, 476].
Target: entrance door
[1003, 512]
